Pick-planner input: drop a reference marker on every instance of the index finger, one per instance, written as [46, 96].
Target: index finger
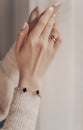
[43, 20]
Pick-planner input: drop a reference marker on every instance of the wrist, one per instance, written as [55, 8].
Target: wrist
[24, 87]
[31, 84]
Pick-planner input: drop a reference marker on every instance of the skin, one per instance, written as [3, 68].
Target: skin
[35, 51]
[33, 16]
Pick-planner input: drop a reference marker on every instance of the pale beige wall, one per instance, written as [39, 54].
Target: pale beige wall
[78, 118]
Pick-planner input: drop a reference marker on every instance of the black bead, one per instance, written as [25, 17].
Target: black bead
[24, 90]
[37, 92]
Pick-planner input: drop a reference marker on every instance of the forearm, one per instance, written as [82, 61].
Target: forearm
[8, 81]
[9, 65]
[6, 93]
[23, 112]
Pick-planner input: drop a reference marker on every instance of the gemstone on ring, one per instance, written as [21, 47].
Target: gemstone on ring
[52, 37]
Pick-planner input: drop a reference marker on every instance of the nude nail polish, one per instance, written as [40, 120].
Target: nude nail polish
[25, 24]
[58, 3]
[51, 9]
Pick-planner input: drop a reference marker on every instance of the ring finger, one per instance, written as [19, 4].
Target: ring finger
[53, 36]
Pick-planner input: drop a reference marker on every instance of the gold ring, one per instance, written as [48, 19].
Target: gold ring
[52, 37]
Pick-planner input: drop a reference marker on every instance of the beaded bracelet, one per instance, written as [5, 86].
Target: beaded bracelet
[24, 90]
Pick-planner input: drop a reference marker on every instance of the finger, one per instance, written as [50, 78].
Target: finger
[58, 42]
[34, 14]
[55, 45]
[43, 20]
[21, 37]
[46, 32]
[57, 36]
[55, 33]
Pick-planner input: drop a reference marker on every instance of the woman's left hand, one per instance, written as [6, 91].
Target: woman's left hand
[36, 50]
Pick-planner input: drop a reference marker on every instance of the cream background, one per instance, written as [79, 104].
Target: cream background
[62, 104]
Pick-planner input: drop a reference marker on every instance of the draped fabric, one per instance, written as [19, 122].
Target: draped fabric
[62, 93]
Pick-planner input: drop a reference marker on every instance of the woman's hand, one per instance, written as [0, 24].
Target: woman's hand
[36, 50]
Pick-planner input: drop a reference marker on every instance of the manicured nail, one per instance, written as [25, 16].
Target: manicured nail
[25, 24]
[37, 8]
[58, 3]
[51, 8]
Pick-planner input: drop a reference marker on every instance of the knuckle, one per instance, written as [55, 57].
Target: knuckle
[43, 43]
[49, 25]
[41, 22]
[52, 20]
[20, 34]
[30, 40]
[43, 46]
[43, 38]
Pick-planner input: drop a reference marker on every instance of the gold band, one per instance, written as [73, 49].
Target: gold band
[52, 37]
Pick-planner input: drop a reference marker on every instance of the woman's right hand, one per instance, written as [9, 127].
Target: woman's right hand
[35, 50]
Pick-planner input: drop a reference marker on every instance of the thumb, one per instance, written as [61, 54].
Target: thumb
[21, 37]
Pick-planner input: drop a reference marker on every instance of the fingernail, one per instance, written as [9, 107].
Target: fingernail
[37, 8]
[25, 24]
[51, 9]
[58, 3]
